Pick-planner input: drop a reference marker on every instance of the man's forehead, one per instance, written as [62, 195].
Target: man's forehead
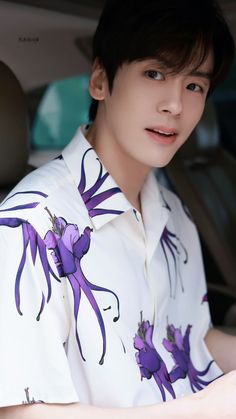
[204, 69]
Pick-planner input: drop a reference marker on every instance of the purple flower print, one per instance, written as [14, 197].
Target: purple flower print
[32, 240]
[149, 361]
[165, 203]
[179, 347]
[68, 248]
[90, 199]
[167, 206]
[186, 210]
[28, 399]
[205, 298]
[22, 206]
[172, 249]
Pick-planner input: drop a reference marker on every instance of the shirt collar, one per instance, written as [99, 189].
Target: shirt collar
[102, 197]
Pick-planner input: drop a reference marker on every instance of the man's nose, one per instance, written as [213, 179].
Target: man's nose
[171, 101]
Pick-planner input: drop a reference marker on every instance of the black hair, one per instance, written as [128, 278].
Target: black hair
[176, 32]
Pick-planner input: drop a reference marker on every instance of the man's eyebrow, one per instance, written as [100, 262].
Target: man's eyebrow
[196, 73]
[203, 74]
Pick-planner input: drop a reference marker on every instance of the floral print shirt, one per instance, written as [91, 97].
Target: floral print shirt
[99, 304]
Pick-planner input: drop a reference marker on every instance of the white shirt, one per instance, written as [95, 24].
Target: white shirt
[98, 304]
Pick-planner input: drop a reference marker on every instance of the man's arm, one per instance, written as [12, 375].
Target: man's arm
[174, 409]
[216, 401]
[223, 349]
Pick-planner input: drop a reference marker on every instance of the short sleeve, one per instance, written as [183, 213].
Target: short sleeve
[34, 325]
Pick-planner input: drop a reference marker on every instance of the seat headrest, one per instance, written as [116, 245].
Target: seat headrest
[14, 128]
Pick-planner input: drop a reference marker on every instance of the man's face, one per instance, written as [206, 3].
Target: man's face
[151, 112]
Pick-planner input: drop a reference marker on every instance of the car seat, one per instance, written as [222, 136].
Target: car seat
[14, 131]
[225, 104]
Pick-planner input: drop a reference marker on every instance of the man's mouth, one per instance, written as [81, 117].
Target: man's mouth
[162, 135]
[167, 133]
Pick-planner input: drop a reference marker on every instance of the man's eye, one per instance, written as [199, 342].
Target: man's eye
[195, 87]
[154, 74]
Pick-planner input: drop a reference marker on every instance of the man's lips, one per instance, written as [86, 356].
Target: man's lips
[163, 130]
[162, 134]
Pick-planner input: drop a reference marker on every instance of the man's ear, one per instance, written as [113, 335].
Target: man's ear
[97, 81]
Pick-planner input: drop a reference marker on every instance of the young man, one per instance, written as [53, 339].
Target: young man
[103, 297]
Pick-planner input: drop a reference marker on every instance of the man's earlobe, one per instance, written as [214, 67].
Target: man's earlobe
[97, 82]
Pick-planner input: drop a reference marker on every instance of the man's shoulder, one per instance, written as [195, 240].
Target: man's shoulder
[45, 178]
[34, 189]
[175, 205]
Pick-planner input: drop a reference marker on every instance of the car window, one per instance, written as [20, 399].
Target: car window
[63, 107]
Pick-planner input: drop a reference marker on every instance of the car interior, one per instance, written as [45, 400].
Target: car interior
[52, 41]
[14, 131]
